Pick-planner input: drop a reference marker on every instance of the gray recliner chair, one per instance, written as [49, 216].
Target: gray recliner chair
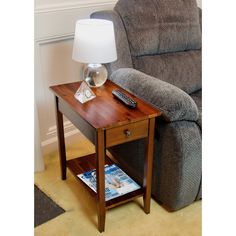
[159, 60]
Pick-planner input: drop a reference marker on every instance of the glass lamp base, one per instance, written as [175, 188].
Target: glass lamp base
[95, 75]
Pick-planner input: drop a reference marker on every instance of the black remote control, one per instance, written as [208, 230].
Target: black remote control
[128, 101]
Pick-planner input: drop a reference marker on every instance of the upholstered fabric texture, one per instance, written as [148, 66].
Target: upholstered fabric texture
[172, 101]
[177, 163]
[160, 26]
[197, 97]
[123, 53]
[162, 40]
[179, 159]
[182, 69]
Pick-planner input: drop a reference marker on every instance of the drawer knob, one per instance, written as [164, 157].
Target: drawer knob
[127, 132]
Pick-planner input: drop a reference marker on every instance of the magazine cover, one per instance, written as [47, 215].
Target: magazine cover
[117, 182]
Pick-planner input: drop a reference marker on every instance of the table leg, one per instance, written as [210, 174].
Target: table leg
[61, 140]
[147, 181]
[100, 154]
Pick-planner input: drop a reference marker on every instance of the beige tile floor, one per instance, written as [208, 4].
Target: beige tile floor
[80, 218]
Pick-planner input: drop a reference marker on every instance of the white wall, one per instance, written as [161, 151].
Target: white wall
[54, 29]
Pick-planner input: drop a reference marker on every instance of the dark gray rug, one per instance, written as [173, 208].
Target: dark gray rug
[44, 207]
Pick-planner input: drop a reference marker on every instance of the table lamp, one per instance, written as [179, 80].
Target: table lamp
[94, 43]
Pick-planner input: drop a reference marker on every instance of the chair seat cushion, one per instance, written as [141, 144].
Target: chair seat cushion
[197, 98]
[182, 69]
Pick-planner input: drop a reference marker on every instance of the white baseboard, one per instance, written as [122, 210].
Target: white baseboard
[51, 145]
[51, 135]
[70, 132]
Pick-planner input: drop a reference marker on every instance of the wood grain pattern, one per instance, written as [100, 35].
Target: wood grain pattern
[100, 163]
[83, 164]
[106, 122]
[86, 163]
[124, 198]
[61, 140]
[104, 111]
[119, 135]
[147, 181]
[88, 131]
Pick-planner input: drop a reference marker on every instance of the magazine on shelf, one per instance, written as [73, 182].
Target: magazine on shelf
[117, 182]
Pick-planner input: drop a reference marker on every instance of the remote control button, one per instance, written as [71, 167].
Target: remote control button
[124, 98]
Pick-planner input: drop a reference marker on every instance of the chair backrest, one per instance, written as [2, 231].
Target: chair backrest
[164, 38]
[160, 26]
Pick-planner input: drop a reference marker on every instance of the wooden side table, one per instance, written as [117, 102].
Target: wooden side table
[106, 122]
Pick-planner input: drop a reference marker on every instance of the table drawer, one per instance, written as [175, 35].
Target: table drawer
[126, 133]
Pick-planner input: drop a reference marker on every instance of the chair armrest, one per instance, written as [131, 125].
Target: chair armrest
[172, 101]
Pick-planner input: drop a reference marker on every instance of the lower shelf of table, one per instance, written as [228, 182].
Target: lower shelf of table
[86, 163]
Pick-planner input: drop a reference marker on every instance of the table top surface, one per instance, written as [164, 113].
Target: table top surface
[104, 111]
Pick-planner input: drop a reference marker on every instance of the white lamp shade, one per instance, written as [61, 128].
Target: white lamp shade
[94, 41]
